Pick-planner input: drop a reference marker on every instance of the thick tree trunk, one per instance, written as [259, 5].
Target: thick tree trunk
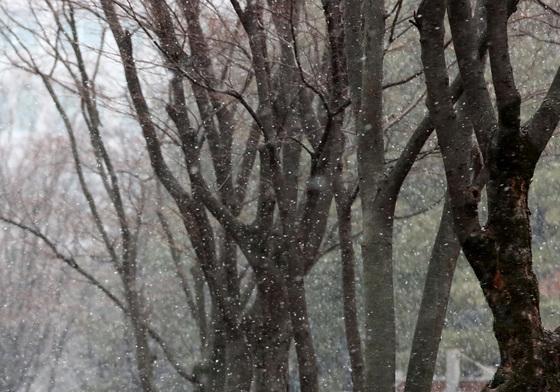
[227, 364]
[431, 315]
[211, 372]
[239, 371]
[380, 335]
[271, 364]
[270, 358]
[500, 252]
[379, 342]
[530, 356]
[269, 337]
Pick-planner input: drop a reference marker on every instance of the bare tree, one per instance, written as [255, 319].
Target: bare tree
[500, 251]
[257, 119]
[125, 205]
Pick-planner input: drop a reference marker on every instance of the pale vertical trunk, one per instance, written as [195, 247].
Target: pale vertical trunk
[452, 370]
[379, 343]
[380, 337]
[431, 315]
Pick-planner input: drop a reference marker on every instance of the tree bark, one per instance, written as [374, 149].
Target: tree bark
[305, 349]
[347, 257]
[435, 297]
[500, 252]
[380, 339]
[270, 337]
[144, 358]
[239, 362]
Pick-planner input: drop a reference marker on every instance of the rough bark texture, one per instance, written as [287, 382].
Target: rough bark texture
[270, 340]
[500, 252]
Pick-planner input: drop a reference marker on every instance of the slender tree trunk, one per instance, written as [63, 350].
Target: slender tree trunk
[431, 315]
[307, 358]
[200, 305]
[353, 340]
[217, 360]
[210, 373]
[435, 297]
[144, 359]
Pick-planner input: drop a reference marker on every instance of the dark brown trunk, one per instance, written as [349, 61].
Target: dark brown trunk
[529, 355]
[238, 361]
[210, 373]
[269, 337]
[239, 370]
[217, 360]
[200, 302]
[271, 364]
[307, 358]
[500, 253]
